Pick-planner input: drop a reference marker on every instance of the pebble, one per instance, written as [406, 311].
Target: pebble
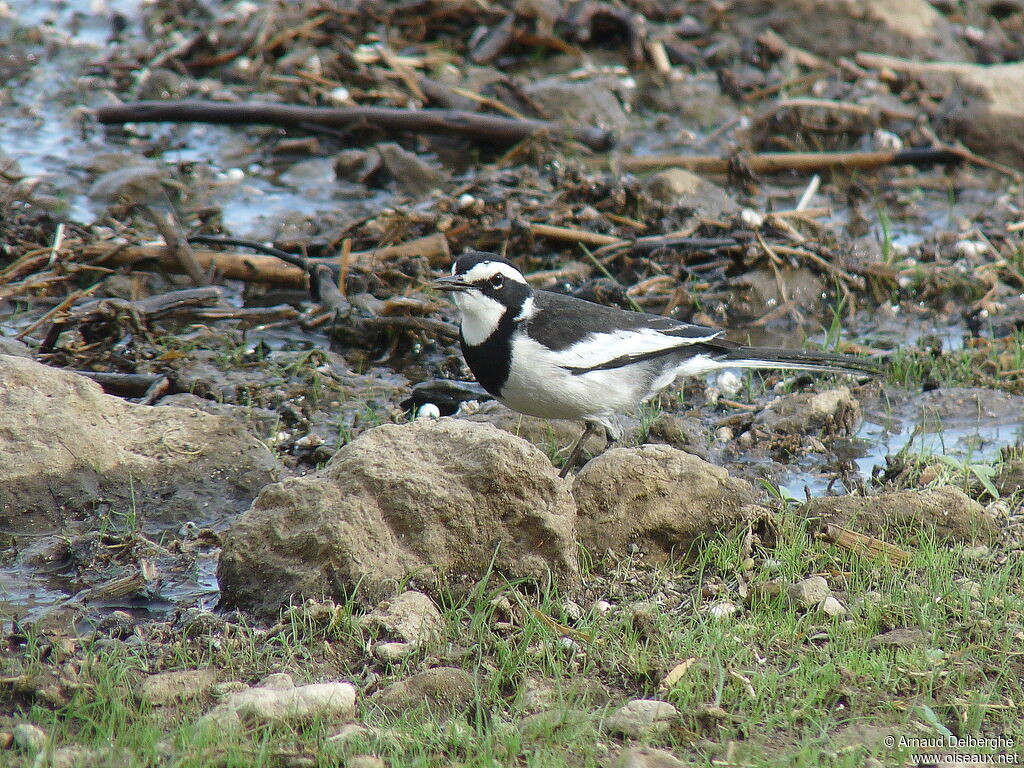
[648, 757]
[641, 717]
[722, 610]
[831, 606]
[809, 592]
[428, 411]
[752, 218]
[28, 738]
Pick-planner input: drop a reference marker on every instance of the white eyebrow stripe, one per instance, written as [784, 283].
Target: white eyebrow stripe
[485, 270]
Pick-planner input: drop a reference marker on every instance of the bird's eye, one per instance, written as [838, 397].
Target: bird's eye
[497, 281]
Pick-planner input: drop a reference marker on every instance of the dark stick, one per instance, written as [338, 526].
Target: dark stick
[485, 128]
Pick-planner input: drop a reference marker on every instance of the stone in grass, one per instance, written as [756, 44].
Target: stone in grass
[648, 757]
[278, 700]
[365, 761]
[28, 738]
[832, 607]
[901, 637]
[403, 624]
[808, 592]
[658, 497]
[73, 756]
[945, 512]
[641, 718]
[441, 501]
[442, 692]
[170, 687]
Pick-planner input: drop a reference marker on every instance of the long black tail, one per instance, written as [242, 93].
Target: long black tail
[797, 360]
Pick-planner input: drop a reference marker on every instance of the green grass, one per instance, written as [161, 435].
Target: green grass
[771, 685]
[998, 364]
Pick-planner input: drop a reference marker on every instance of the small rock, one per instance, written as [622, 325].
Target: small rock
[682, 432]
[648, 757]
[751, 218]
[84, 757]
[351, 731]
[116, 624]
[28, 738]
[582, 102]
[276, 702]
[406, 622]
[831, 606]
[365, 761]
[685, 189]
[897, 638]
[277, 681]
[445, 691]
[656, 497]
[413, 174]
[835, 411]
[985, 108]
[641, 718]
[169, 687]
[809, 592]
[722, 610]
[945, 511]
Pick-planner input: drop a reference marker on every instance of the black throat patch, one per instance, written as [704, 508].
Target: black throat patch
[491, 360]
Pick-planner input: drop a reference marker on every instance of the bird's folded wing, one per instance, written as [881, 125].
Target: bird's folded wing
[606, 351]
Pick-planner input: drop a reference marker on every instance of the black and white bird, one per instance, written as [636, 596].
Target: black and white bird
[558, 357]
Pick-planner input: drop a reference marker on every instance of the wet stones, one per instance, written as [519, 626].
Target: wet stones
[435, 499]
[64, 445]
[656, 497]
[834, 411]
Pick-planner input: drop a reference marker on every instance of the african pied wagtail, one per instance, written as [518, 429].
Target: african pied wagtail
[558, 357]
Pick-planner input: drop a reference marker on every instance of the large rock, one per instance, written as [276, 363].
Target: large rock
[431, 500]
[945, 512]
[832, 28]
[985, 110]
[658, 497]
[983, 105]
[66, 448]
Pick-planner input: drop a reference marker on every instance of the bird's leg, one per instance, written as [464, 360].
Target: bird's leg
[574, 454]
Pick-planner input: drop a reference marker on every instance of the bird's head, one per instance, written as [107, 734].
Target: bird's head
[486, 289]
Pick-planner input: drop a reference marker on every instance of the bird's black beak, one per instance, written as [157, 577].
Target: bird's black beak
[452, 284]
